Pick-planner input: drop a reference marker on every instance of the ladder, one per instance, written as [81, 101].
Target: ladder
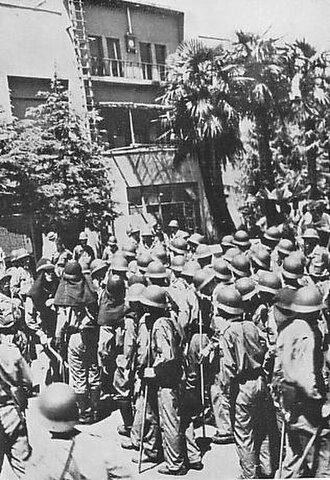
[81, 47]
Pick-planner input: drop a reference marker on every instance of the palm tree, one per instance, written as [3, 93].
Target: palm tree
[202, 118]
[263, 96]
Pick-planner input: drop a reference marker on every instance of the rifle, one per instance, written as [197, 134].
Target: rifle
[145, 404]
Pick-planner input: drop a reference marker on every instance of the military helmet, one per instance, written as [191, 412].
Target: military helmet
[283, 304]
[285, 246]
[292, 267]
[221, 269]
[203, 251]
[135, 292]
[119, 263]
[128, 250]
[229, 300]
[179, 245]
[159, 253]
[202, 278]
[13, 255]
[98, 266]
[308, 300]
[22, 253]
[156, 269]
[272, 234]
[133, 279]
[112, 240]
[155, 296]
[269, 282]
[190, 268]
[241, 266]
[58, 406]
[196, 239]
[147, 231]
[261, 257]
[241, 239]
[177, 263]
[174, 224]
[246, 287]
[227, 241]
[72, 271]
[44, 265]
[310, 233]
[143, 261]
[231, 253]
[116, 288]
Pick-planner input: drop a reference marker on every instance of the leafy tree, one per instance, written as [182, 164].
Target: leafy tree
[203, 119]
[51, 168]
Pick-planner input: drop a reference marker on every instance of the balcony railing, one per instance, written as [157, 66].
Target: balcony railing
[110, 67]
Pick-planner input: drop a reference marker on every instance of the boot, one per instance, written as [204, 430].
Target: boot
[94, 403]
[126, 411]
[84, 410]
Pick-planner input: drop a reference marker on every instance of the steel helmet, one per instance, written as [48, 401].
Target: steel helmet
[13, 255]
[203, 251]
[246, 288]
[58, 406]
[190, 268]
[112, 240]
[269, 282]
[229, 300]
[273, 234]
[119, 263]
[231, 253]
[261, 257]
[98, 266]
[156, 269]
[155, 296]
[241, 266]
[115, 288]
[83, 236]
[22, 253]
[285, 246]
[241, 239]
[283, 304]
[45, 265]
[72, 271]
[133, 279]
[227, 241]
[221, 269]
[147, 231]
[308, 300]
[174, 224]
[293, 267]
[159, 253]
[143, 261]
[310, 233]
[202, 278]
[135, 292]
[196, 239]
[128, 250]
[179, 245]
[177, 263]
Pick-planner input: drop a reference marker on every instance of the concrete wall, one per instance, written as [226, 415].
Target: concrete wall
[34, 43]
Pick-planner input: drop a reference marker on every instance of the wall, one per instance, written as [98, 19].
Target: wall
[39, 45]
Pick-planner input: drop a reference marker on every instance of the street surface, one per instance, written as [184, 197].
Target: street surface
[220, 462]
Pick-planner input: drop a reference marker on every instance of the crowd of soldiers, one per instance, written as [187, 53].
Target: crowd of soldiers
[179, 333]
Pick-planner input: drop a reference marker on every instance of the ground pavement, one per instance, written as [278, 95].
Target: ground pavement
[220, 461]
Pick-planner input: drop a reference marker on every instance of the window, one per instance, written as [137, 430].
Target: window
[115, 64]
[160, 60]
[96, 51]
[146, 60]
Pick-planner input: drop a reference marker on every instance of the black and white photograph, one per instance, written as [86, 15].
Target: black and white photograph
[164, 239]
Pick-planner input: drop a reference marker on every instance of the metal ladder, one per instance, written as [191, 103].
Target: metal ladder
[81, 47]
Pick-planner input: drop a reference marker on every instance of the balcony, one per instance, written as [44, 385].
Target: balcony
[122, 70]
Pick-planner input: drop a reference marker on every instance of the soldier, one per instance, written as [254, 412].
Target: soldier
[243, 376]
[83, 252]
[241, 266]
[260, 258]
[14, 378]
[174, 230]
[164, 373]
[77, 331]
[22, 279]
[299, 379]
[203, 255]
[271, 238]
[292, 271]
[193, 241]
[110, 249]
[242, 240]
[119, 266]
[69, 453]
[227, 242]
[147, 243]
